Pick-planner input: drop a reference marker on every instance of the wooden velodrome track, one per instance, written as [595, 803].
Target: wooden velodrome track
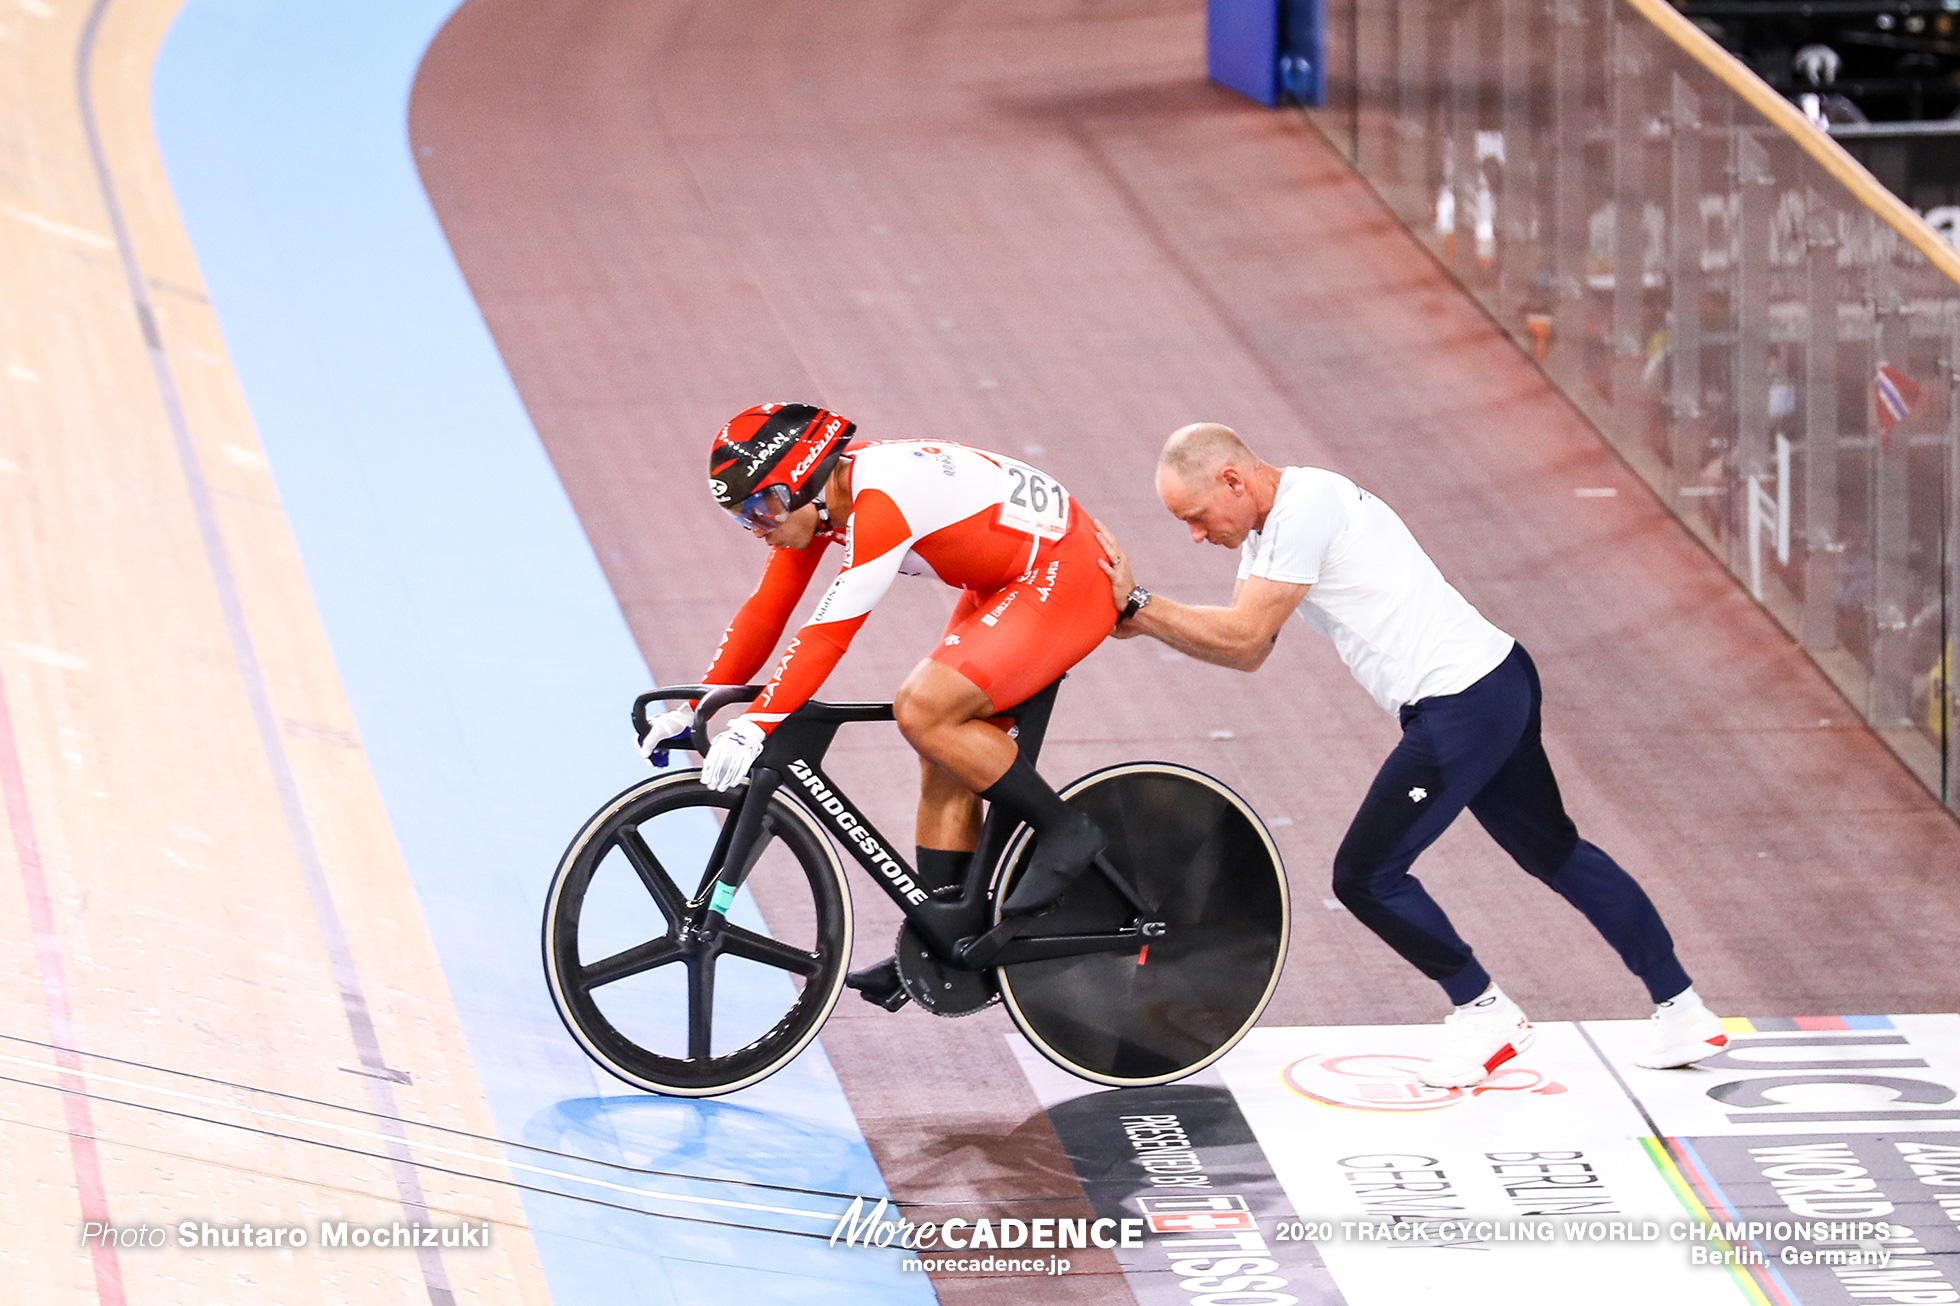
[1034, 226]
[1028, 225]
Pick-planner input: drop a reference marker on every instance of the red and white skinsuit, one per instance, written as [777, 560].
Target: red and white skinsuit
[1036, 601]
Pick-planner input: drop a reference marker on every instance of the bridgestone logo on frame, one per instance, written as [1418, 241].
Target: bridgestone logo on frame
[849, 826]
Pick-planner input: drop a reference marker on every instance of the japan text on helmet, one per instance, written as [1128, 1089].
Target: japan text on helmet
[792, 446]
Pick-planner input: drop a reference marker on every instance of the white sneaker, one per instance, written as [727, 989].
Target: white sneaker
[1684, 1031]
[1478, 1038]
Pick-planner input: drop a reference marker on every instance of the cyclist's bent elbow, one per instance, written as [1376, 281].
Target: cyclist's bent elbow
[1251, 650]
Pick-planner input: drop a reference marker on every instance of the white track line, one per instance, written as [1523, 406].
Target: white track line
[434, 1148]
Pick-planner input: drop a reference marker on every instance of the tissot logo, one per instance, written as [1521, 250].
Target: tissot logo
[1216, 1251]
[1183, 1157]
[1197, 1214]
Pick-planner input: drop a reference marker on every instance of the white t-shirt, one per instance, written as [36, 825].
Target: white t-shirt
[1403, 630]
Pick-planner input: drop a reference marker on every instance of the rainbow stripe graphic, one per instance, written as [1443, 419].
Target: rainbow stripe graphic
[1790, 1024]
[1697, 1191]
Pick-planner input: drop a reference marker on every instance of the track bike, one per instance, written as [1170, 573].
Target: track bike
[1149, 967]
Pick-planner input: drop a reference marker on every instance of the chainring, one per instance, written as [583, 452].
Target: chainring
[937, 987]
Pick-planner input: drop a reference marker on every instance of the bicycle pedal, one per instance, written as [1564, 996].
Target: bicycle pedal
[880, 985]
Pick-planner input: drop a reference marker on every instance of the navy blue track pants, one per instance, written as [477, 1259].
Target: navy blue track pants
[1481, 749]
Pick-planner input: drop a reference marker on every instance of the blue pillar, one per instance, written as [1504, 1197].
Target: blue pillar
[1267, 50]
[1242, 47]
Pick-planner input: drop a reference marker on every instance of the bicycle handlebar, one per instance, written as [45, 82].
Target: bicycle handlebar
[713, 698]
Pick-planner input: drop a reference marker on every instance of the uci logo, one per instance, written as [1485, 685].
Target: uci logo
[1826, 1078]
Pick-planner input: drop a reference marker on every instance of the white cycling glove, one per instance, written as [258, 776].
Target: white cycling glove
[663, 729]
[734, 752]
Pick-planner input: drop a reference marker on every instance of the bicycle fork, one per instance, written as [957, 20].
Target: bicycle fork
[737, 850]
[700, 940]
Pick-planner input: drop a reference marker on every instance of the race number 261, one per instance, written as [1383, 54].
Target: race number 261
[1036, 504]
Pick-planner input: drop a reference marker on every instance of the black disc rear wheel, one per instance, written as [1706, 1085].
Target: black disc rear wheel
[1199, 860]
[649, 997]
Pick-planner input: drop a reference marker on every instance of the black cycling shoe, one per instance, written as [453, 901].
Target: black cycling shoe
[879, 985]
[1060, 858]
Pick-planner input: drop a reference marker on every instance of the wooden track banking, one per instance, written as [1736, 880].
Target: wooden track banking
[154, 892]
[1032, 225]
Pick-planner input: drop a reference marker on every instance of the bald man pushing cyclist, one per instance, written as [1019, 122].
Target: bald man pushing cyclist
[1468, 700]
[1034, 603]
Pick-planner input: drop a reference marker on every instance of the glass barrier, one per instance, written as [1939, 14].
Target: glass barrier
[1763, 333]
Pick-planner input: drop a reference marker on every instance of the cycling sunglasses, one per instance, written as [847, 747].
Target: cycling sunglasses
[765, 510]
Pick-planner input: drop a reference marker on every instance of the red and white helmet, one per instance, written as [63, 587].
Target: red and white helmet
[772, 459]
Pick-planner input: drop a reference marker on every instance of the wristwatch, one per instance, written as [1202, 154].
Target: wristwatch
[1139, 600]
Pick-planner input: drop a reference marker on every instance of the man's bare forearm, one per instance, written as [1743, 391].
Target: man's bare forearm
[1221, 636]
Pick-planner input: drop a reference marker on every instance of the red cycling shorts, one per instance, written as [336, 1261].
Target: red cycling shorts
[1014, 641]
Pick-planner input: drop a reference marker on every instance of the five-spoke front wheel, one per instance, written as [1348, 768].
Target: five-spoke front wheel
[635, 960]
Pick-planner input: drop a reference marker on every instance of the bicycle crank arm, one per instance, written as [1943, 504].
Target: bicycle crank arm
[1004, 946]
[979, 953]
[1048, 947]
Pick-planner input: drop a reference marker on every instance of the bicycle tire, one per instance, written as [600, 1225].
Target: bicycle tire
[644, 1054]
[1200, 858]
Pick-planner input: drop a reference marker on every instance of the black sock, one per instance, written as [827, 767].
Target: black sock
[942, 868]
[1066, 840]
[1023, 792]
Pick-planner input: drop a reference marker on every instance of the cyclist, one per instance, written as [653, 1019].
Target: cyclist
[1035, 603]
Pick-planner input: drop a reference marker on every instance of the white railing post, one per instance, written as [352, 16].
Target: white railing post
[1769, 514]
[1783, 500]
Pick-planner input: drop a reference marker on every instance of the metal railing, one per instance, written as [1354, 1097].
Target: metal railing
[1761, 330]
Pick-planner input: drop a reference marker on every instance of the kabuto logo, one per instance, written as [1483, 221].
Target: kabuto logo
[1390, 1081]
[816, 454]
[718, 488]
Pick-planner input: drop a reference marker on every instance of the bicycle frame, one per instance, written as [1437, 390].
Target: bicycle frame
[955, 926]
